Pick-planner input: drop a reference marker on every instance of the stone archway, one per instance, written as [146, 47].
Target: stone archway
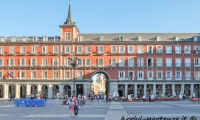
[107, 78]
[11, 90]
[1, 91]
[44, 90]
[67, 90]
[22, 91]
[34, 90]
[55, 89]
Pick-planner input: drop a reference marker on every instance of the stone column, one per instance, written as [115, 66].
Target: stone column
[61, 89]
[39, 89]
[191, 89]
[173, 90]
[5, 95]
[163, 89]
[154, 90]
[116, 89]
[182, 89]
[28, 91]
[71, 89]
[145, 89]
[126, 90]
[17, 92]
[50, 95]
[135, 90]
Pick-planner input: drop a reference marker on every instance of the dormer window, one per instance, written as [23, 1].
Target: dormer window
[67, 36]
[195, 38]
[121, 38]
[80, 38]
[100, 38]
[176, 38]
[158, 38]
[139, 38]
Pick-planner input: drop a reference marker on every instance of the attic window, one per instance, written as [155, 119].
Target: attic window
[2, 39]
[139, 38]
[195, 38]
[121, 38]
[176, 38]
[100, 38]
[158, 38]
[80, 38]
[24, 39]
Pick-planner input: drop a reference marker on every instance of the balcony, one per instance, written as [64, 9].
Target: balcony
[42, 53]
[21, 53]
[196, 52]
[53, 53]
[159, 51]
[66, 53]
[87, 53]
[10, 53]
[31, 53]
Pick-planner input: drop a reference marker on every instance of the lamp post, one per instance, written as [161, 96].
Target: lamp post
[73, 63]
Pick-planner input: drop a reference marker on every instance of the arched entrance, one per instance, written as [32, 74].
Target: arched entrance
[34, 90]
[106, 84]
[11, 90]
[22, 91]
[1, 91]
[55, 90]
[67, 90]
[79, 89]
[44, 90]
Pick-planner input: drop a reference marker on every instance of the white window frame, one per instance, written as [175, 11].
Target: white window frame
[168, 51]
[44, 49]
[87, 49]
[1, 49]
[140, 77]
[113, 51]
[12, 50]
[55, 60]
[196, 64]
[10, 61]
[66, 62]
[67, 48]
[159, 50]
[32, 62]
[21, 61]
[150, 78]
[176, 75]
[196, 49]
[79, 75]
[32, 75]
[99, 62]
[66, 77]
[131, 62]
[12, 73]
[20, 75]
[159, 77]
[67, 36]
[189, 75]
[129, 48]
[33, 49]
[185, 50]
[187, 64]
[168, 64]
[140, 63]
[131, 77]
[55, 49]
[113, 62]
[140, 49]
[121, 50]
[178, 51]
[79, 62]
[23, 49]
[196, 75]
[44, 60]
[121, 62]
[178, 64]
[55, 75]
[2, 62]
[79, 49]
[86, 62]
[121, 75]
[159, 62]
[100, 49]
[151, 51]
[170, 76]
[43, 75]
[1, 74]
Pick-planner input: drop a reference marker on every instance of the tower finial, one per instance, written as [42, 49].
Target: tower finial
[69, 19]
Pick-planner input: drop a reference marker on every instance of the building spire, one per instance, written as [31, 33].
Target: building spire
[69, 20]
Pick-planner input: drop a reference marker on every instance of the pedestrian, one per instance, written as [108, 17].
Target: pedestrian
[92, 98]
[71, 107]
[106, 98]
[97, 97]
[82, 102]
[76, 108]
[9, 96]
[89, 96]
[149, 98]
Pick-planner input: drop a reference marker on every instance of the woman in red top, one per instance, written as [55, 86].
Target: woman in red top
[71, 107]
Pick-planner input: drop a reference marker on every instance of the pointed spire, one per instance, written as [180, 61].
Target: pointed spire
[69, 19]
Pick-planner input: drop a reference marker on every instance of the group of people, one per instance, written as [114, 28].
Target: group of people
[97, 97]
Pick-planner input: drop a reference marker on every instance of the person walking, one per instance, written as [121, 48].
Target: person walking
[106, 98]
[76, 108]
[82, 102]
[71, 107]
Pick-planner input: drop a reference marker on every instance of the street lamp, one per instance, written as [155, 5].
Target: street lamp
[73, 63]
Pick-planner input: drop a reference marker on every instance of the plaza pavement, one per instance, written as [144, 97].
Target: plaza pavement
[101, 110]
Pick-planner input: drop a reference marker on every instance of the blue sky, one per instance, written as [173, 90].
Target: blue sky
[43, 17]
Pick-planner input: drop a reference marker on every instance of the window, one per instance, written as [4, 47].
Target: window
[150, 75]
[113, 49]
[130, 62]
[55, 74]
[1, 50]
[1, 74]
[100, 62]
[121, 75]
[55, 49]
[79, 62]
[187, 62]
[159, 61]
[67, 36]
[159, 49]
[22, 62]
[1, 62]
[140, 62]
[100, 49]
[33, 74]
[87, 62]
[178, 62]
[44, 49]
[168, 62]
[79, 49]
[131, 75]
[121, 49]
[33, 62]
[22, 75]
[187, 49]
[79, 75]
[196, 75]
[140, 75]
[66, 62]
[23, 49]
[168, 49]
[140, 49]
[11, 62]
[88, 49]
[168, 75]
[113, 62]
[121, 62]
[11, 74]
[177, 49]
[44, 62]
[67, 49]
[178, 75]
[149, 49]
[187, 75]
[196, 62]
[44, 74]
[130, 49]
[33, 50]
[196, 49]
[55, 62]
[11, 49]
[149, 61]
[67, 75]
[159, 75]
